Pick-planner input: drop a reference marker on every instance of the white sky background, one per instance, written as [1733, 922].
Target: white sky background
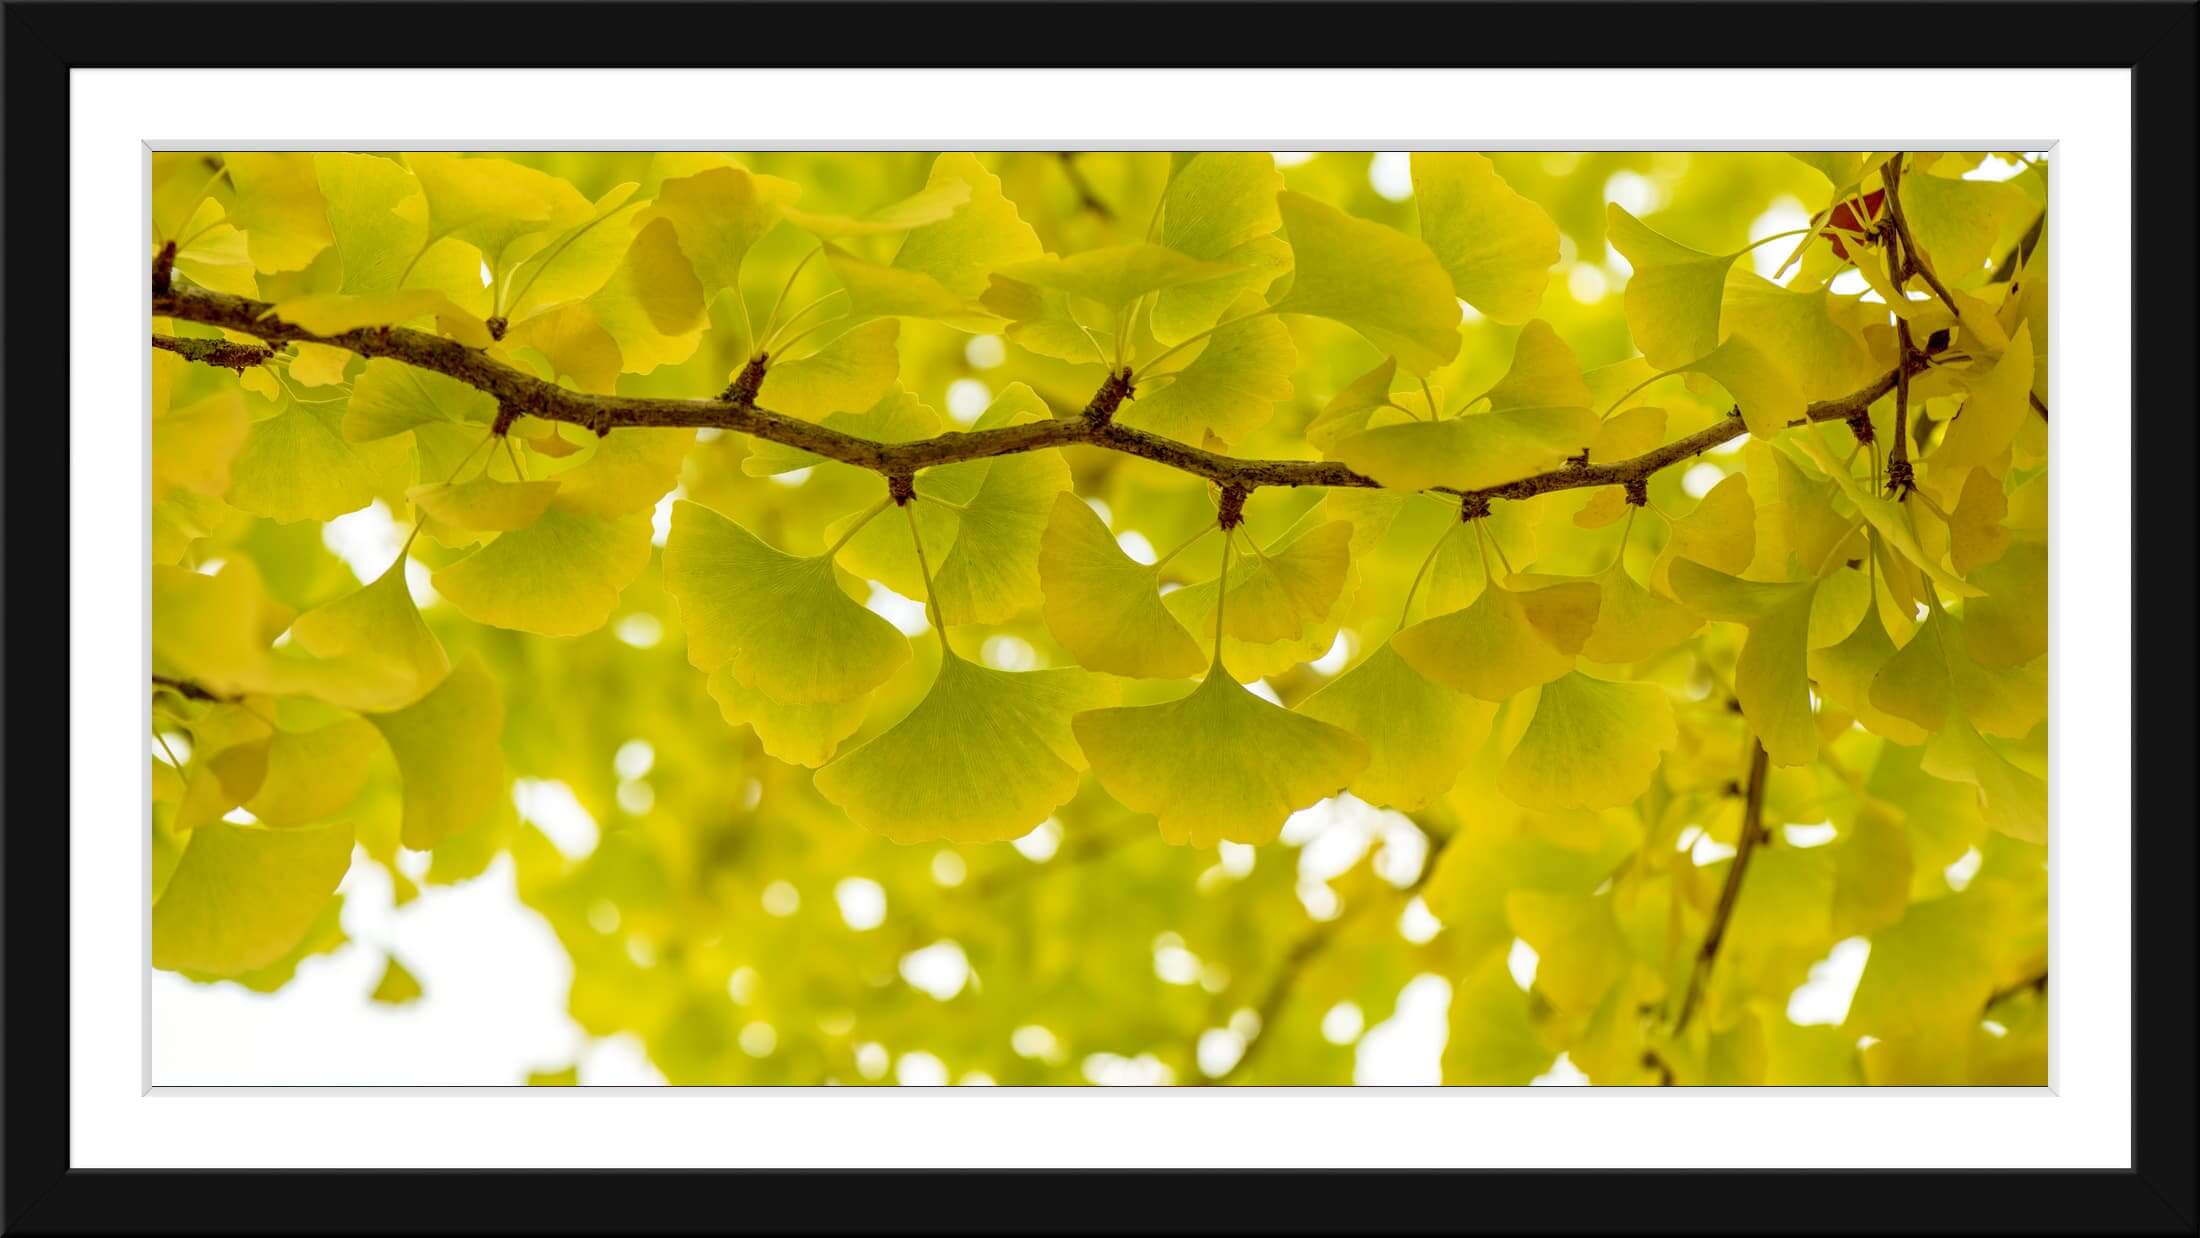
[494, 977]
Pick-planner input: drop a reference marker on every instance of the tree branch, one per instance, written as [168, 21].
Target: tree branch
[1753, 827]
[224, 353]
[523, 393]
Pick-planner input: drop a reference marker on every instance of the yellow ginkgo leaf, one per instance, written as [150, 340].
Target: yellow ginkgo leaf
[2008, 626]
[783, 623]
[992, 571]
[1498, 246]
[1770, 677]
[390, 397]
[805, 734]
[1356, 406]
[1380, 282]
[918, 209]
[1632, 622]
[1494, 1041]
[228, 766]
[984, 235]
[1042, 321]
[1220, 206]
[851, 372]
[377, 214]
[1419, 734]
[1229, 388]
[1104, 606]
[397, 986]
[489, 203]
[1219, 764]
[574, 345]
[1579, 949]
[278, 207]
[1506, 641]
[376, 652]
[1887, 518]
[214, 630]
[2015, 799]
[332, 313]
[1844, 674]
[1795, 524]
[626, 471]
[195, 448]
[313, 774]
[653, 303]
[1960, 224]
[1593, 743]
[986, 756]
[1928, 970]
[1722, 531]
[1976, 534]
[448, 746]
[1988, 422]
[485, 504]
[1294, 582]
[243, 895]
[1673, 295]
[1796, 330]
[297, 465]
[1545, 374]
[1871, 872]
[1468, 451]
[1117, 274]
[1767, 396]
[718, 214]
[1918, 682]
[559, 576]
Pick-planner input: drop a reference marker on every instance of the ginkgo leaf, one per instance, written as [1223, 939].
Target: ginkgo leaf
[1844, 674]
[1219, 764]
[1674, 294]
[1104, 606]
[448, 746]
[1632, 622]
[2015, 799]
[918, 209]
[1988, 422]
[805, 734]
[1293, 582]
[489, 203]
[1469, 451]
[1544, 374]
[781, 622]
[1928, 970]
[313, 774]
[279, 208]
[377, 214]
[627, 472]
[387, 658]
[653, 303]
[1722, 530]
[1888, 520]
[1976, 534]
[992, 571]
[1770, 677]
[718, 215]
[559, 576]
[214, 629]
[1116, 275]
[1628, 434]
[983, 236]
[397, 987]
[1220, 206]
[1959, 224]
[1354, 407]
[1767, 396]
[390, 397]
[876, 291]
[227, 768]
[332, 313]
[1380, 282]
[1498, 246]
[485, 504]
[1593, 743]
[1493, 1041]
[1419, 734]
[1794, 523]
[574, 344]
[1918, 683]
[243, 895]
[1043, 321]
[1797, 331]
[297, 465]
[2009, 625]
[984, 757]
[853, 371]
[1229, 389]
[195, 448]
[1579, 949]
[1507, 640]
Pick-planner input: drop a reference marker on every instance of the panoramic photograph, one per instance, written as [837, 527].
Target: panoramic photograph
[1099, 617]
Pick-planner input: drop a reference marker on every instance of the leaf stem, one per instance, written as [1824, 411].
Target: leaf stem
[1172, 349]
[853, 529]
[924, 569]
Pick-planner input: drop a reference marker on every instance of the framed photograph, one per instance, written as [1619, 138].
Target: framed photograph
[767, 589]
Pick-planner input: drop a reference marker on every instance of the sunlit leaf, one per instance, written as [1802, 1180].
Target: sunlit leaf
[1498, 246]
[1380, 282]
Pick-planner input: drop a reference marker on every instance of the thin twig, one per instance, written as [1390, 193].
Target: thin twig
[1753, 825]
[224, 353]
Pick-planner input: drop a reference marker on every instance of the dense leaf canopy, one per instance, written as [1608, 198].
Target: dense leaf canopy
[1200, 592]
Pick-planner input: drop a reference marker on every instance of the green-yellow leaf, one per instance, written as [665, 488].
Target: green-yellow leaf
[1497, 246]
[985, 235]
[804, 734]
[1674, 294]
[313, 774]
[850, 373]
[297, 465]
[1468, 451]
[1114, 276]
[377, 633]
[1989, 420]
[1380, 282]
[243, 895]
[719, 214]
[279, 208]
[1218, 764]
[1506, 641]
[1229, 389]
[653, 303]
[559, 576]
[1593, 743]
[1419, 734]
[485, 504]
[1104, 606]
[1632, 622]
[390, 397]
[1768, 397]
[1770, 677]
[450, 758]
[1544, 374]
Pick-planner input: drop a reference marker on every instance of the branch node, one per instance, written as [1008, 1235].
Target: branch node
[227, 354]
[1901, 479]
[1579, 460]
[901, 487]
[498, 325]
[1110, 397]
[1231, 512]
[1860, 425]
[1473, 507]
[742, 390]
[1638, 491]
[164, 267]
[506, 415]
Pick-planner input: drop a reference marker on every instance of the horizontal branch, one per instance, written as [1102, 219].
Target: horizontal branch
[518, 392]
[228, 354]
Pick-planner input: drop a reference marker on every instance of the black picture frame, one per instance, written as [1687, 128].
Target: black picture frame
[41, 1193]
